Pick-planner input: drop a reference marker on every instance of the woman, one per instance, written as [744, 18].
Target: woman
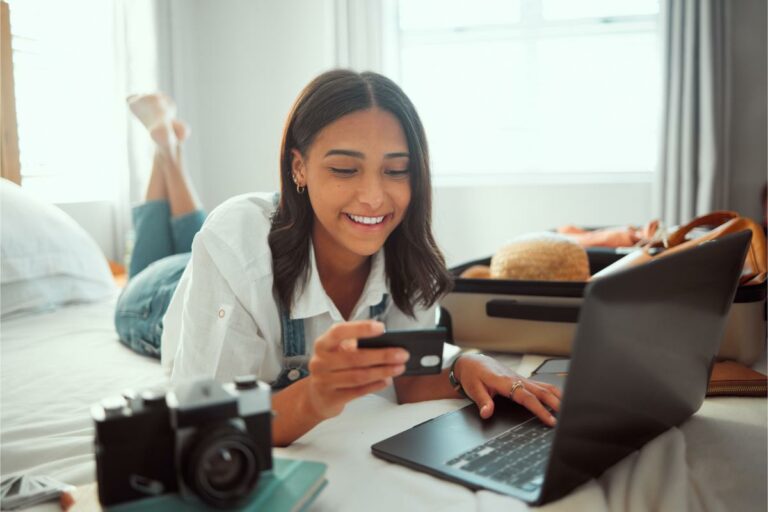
[164, 226]
[284, 289]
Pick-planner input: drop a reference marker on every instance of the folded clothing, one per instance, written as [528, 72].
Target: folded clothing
[626, 236]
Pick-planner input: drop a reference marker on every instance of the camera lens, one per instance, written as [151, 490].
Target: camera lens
[223, 467]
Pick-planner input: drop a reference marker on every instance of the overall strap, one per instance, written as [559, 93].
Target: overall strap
[294, 352]
[295, 348]
[377, 310]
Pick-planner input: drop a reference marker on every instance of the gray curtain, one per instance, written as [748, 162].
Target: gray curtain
[693, 170]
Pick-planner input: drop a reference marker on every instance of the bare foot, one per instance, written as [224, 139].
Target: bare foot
[157, 113]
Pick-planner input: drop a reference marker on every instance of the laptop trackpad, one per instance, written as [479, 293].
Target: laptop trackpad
[438, 440]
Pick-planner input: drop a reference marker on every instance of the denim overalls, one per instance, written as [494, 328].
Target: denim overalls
[295, 349]
[157, 264]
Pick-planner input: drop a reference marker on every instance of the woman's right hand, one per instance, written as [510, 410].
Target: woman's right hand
[339, 372]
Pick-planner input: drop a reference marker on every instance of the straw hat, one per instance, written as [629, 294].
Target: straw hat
[541, 257]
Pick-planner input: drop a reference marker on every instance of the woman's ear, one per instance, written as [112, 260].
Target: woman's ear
[298, 168]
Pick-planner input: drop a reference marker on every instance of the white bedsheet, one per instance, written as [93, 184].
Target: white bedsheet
[55, 365]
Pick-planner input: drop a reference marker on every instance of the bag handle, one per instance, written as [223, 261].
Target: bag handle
[726, 222]
[711, 219]
[729, 222]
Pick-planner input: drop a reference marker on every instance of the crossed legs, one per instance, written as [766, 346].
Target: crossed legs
[167, 221]
[169, 179]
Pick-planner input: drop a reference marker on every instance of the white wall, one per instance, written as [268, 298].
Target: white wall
[238, 66]
[472, 222]
[235, 68]
[98, 219]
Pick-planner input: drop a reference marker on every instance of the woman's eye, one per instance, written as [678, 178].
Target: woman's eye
[343, 172]
[398, 173]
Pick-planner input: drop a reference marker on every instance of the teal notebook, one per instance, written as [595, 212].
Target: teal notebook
[291, 487]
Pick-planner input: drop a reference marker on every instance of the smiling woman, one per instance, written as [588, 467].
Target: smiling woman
[358, 137]
[358, 201]
[283, 287]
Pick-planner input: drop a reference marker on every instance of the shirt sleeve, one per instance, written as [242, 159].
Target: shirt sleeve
[217, 336]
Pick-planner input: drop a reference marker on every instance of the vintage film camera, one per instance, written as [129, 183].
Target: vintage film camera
[208, 442]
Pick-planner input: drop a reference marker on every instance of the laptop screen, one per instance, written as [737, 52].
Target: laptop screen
[644, 347]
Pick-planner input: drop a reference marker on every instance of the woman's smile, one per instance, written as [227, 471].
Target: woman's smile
[368, 223]
[358, 180]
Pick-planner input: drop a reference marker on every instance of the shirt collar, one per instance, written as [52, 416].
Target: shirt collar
[313, 301]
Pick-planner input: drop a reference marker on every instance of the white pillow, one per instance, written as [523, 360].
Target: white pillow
[47, 259]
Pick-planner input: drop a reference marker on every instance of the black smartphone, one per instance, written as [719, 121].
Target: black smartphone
[424, 345]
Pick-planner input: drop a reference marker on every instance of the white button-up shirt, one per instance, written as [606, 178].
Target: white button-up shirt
[223, 319]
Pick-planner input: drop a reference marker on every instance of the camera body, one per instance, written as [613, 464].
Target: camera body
[206, 441]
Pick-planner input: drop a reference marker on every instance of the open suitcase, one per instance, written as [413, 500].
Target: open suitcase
[540, 316]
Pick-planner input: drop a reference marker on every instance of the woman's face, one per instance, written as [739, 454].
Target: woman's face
[357, 176]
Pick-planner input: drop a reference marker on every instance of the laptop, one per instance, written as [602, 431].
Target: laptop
[642, 355]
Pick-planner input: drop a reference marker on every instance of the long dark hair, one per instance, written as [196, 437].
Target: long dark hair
[415, 267]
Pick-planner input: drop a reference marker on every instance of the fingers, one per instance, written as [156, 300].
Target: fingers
[484, 377]
[351, 393]
[547, 394]
[337, 364]
[477, 392]
[351, 379]
[529, 400]
[343, 360]
[531, 396]
[549, 387]
[336, 337]
[327, 401]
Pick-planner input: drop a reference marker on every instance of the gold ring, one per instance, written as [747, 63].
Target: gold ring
[515, 386]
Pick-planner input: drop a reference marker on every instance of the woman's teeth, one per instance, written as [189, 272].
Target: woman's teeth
[366, 220]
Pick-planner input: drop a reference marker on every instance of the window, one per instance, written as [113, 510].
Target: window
[65, 84]
[534, 89]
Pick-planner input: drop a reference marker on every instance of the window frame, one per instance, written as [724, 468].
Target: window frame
[531, 26]
[48, 178]
[9, 135]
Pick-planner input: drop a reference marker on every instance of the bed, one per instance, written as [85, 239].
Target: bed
[56, 362]
[55, 365]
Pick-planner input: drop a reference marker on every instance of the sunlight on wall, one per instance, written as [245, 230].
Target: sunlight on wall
[65, 73]
[535, 87]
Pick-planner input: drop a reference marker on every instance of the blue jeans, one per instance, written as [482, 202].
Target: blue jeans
[161, 252]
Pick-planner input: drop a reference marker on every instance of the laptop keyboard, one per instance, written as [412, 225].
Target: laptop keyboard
[516, 457]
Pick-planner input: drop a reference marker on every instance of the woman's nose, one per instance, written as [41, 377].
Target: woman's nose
[371, 193]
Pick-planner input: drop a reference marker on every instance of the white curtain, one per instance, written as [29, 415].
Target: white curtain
[366, 35]
[693, 169]
[138, 58]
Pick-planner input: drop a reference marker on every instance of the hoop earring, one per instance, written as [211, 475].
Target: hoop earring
[300, 188]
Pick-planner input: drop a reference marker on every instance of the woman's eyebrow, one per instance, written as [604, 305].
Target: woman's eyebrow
[397, 155]
[358, 154]
[345, 152]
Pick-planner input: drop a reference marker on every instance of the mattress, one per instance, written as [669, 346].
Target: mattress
[55, 365]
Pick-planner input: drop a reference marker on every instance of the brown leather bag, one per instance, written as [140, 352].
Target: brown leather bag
[723, 223]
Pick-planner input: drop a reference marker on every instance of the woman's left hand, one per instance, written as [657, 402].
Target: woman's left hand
[483, 377]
